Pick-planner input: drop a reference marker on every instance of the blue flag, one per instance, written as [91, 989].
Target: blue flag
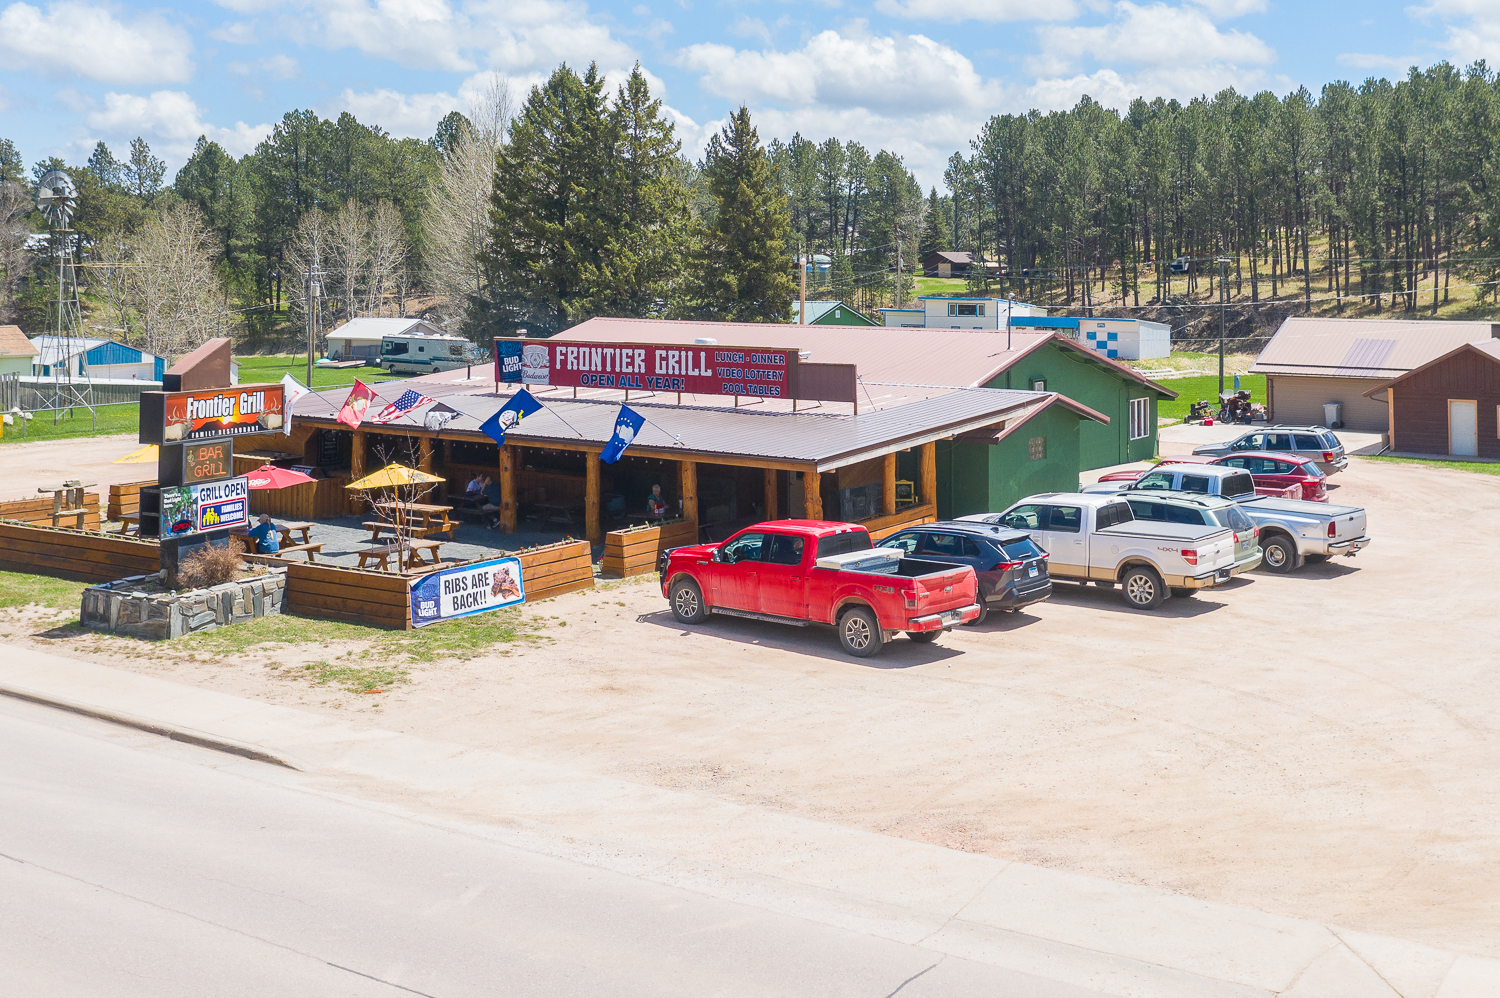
[509, 416]
[627, 425]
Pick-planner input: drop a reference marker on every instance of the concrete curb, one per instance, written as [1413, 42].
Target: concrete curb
[175, 732]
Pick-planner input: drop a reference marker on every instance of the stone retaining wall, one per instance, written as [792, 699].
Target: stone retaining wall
[124, 607]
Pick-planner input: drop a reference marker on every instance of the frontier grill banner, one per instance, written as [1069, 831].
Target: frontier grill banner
[170, 417]
[761, 372]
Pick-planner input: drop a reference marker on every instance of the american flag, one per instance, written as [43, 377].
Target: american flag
[408, 401]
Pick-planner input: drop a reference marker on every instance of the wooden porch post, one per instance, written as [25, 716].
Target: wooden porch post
[889, 503]
[812, 498]
[591, 498]
[507, 489]
[928, 496]
[687, 489]
[357, 456]
[771, 494]
[424, 454]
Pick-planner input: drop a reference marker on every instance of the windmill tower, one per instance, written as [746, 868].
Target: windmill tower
[72, 387]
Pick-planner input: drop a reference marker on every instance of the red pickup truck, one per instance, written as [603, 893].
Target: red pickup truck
[815, 571]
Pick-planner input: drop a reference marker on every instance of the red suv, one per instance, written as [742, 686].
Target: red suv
[1281, 470]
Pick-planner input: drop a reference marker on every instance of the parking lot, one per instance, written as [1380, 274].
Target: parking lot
[1322, 744]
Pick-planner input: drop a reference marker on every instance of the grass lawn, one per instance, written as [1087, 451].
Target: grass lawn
[262, 369]
[1190, 390]
[1475, 467]
[942, 286]
[110, 419]
[18, 590]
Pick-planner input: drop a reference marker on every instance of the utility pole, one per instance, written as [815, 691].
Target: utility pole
[900, 274]
[802, 294]
[313, 289]
[1223, 263]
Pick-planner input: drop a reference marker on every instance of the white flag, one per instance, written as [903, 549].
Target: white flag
[292, 390]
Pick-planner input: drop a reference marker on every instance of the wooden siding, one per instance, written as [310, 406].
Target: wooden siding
[39, 510]
[635, 551]
[125, 498]
[564, 567]
[1421, 403]
[375, 599]
[75, 554]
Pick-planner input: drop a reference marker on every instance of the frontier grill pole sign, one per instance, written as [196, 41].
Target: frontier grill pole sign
[176, 417]
[759, 372]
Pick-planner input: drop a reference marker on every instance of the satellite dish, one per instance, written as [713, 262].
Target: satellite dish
[56, 196]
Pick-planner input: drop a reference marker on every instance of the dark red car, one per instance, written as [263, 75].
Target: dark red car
[1269, 470]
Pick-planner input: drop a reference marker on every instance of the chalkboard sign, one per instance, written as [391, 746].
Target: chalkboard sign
[328, 449]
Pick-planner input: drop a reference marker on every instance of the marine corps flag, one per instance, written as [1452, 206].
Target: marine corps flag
[356, 405]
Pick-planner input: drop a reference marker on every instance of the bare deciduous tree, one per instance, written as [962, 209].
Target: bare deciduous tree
[386, 266]
[15, 202]
[169, 294]
[348, 256]
[456, 221]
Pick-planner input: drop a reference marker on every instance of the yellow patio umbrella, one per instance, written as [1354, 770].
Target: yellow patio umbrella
[392, 476]
[144, 455]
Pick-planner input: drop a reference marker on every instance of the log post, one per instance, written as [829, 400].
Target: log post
[591, 498]
[889, 501]
[812, 497]
[508, 489]
[354, 502]
[687, 490]
[424, 454]
[928, 485]
[771, 494]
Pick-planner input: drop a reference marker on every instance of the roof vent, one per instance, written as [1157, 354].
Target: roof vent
[706, 341]
[1495, 330]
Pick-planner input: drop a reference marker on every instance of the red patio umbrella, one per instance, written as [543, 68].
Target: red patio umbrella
[268, 476]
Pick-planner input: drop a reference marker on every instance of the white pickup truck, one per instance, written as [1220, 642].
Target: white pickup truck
[1096, 538]
[1292, 532]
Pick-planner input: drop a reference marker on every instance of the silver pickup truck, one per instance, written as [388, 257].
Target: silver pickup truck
[1096, 538]
[1291, 531]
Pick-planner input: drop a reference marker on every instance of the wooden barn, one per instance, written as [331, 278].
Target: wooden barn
[1448, 406]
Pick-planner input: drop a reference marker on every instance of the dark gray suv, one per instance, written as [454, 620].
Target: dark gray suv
[1012, 569]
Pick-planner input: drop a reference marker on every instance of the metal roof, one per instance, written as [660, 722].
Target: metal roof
[372, 329]
[1488, 348]
[1363, 348]
[829, 441]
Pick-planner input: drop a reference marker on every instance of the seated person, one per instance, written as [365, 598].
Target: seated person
[267, 539]
[656, 506]
[473, 492]
[492, 497]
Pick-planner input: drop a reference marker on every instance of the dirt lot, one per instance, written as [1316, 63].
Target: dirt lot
[1324, 745]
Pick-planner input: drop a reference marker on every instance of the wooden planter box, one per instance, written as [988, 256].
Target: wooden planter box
[564, 567]
[75, 554]
[125, 498]
[635, 551]
[39, 510]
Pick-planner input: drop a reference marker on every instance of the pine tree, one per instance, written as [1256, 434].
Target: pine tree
[747, 269]
[935, 227]
[143, 172]
[105, 167]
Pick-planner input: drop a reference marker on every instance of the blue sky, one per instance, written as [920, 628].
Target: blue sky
[913, 76]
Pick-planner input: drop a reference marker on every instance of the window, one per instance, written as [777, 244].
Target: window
[1160, 481]
[1311, 470]
[1237, 462]
[961, 308]
[849, 540]
[1037, 448]
[1066, 519]
[1307, 441]
[906, 542]
[390, 348]
[1278, 441]
[942, 545]
[972, 549]
[1235, 519]
[1140, 419]
[1027, 517]
[1330, 441]
[421, 348]
[1038, 384]
[1253, 441]
[1196, 483]
[1238, 485]
[1146, 509]
[1116, 512]
[785, 550]
[1184, 514]
[981, 310]
[1021, 549]
[746, 547]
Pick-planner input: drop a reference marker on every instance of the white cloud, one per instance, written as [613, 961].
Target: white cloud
[87, 40]
[979, 10]
[235, 33]
[1476, 36]
[1145, 51]
[4, 98]
[1225, 9]
[923, 141]
[896, 74]
[1370, 60]
[171, 121]
[752, 27]
[276, 67]
[403, 115]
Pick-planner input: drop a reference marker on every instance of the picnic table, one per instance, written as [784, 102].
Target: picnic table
[381, 554]
[378, 527]
[290, 543]
[427, 511]
[68, 500]
[130, 523]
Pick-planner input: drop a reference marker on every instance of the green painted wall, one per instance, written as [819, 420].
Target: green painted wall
[1070, 373]
[843, 315]
[985, 478]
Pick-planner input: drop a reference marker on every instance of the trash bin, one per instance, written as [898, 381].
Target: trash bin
[1331, 413]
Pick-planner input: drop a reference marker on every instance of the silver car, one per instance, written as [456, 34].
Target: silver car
[1213, 511]
[1315, 443]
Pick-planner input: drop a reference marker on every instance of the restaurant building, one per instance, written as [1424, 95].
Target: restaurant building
[885, 439]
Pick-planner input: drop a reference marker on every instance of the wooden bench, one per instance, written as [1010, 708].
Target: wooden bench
[381, 554]
[130, 523]
[310, 549]
[377, 527]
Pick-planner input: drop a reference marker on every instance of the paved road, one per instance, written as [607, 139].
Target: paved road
[130, 865]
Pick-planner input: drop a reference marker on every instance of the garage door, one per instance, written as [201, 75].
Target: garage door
[1300, 400]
